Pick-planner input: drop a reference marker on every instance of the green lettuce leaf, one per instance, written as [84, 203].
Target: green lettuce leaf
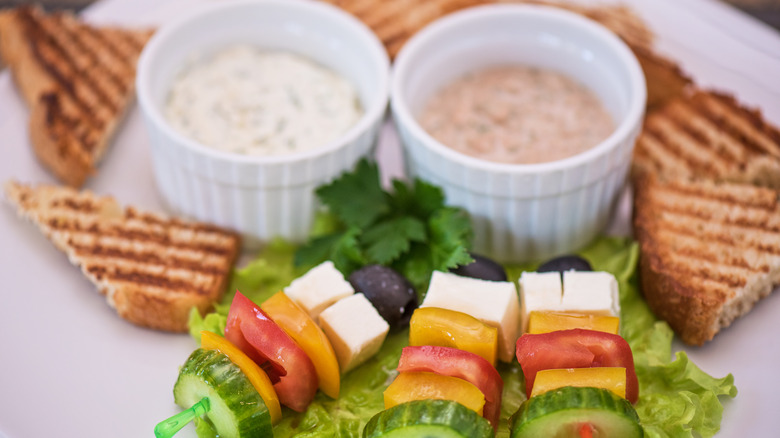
[677, 399]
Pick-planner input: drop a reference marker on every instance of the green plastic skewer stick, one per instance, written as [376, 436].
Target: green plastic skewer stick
[168, 428]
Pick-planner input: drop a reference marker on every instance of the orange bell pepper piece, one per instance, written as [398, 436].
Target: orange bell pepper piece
[450, 328]
[297, 323]
[545, 322]
[611, 378]
[425, 386]
[253, 372]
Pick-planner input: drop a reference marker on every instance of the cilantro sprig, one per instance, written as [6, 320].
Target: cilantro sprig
[409, 228]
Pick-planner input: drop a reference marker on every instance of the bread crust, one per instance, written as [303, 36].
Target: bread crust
[688, 312]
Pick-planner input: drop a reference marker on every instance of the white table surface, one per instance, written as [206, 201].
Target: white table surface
[70, 367]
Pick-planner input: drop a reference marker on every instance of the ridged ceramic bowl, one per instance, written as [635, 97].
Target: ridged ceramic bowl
[261, 197]
[522, 212]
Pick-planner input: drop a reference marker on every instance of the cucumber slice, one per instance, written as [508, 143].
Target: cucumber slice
[563, 412]
[428, 418]
[237, 410]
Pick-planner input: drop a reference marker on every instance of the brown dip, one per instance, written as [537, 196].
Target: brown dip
[517, 114]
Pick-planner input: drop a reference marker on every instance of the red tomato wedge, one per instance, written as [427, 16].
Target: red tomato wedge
[251, 330]
[462, 364]
[576, 348]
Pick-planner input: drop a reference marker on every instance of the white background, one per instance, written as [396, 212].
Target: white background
[70, 367]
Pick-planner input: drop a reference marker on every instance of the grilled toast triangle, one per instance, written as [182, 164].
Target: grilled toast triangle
[152, 269]
[707, 134]
[78, 81]
[709, 250]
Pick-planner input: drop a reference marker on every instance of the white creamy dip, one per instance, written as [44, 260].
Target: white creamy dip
[251, 101]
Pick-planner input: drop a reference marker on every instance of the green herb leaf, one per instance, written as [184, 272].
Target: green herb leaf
[451, 235]
[386, 227]
[421, 200]
[356, 198]
[347, 255]
[387, 240]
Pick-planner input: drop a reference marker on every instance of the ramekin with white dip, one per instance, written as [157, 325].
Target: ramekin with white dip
[546, 206]
[255, 141]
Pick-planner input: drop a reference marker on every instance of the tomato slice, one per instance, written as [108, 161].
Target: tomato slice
[464, 365]
[251, 330]
[309, 336]
[576, 348]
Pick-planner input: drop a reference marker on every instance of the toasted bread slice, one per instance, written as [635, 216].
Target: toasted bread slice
[78, 81]
[620, 19]
[709, 135]
[665, 79]
[709, 251]
[394, 22]
[152, 269]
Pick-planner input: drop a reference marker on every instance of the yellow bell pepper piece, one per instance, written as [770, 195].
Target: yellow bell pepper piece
[297, 323]
[450, 328]
[253, 372]
[611, 378]
[545, 322]
[425, 386]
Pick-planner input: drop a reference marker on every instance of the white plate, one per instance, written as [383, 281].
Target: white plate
[70, 367]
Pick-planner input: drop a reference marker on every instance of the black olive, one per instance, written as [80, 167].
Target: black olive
[482, 268]
[565, 263]
[391, 294]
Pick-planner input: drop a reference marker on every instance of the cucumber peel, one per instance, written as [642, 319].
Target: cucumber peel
[428, 418]
[563, 412]
[234, 407]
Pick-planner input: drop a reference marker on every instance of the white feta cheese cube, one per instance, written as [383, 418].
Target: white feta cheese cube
[493, 302]
[317, 289]
[590, 292]
[355, 330]
[540, 291]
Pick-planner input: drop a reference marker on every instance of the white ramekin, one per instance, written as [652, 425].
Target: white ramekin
[533, 211]
[261, 197]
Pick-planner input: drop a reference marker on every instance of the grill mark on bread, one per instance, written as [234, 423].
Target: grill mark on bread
[702, 268]
[390, 13]
[728, 193]
[728, 120]
[103, 273]
[96, 72]
[688, 245]
[667, 141]
[703, 132]
[149, 218]
[146, 258]
[710, 135]
[395, 22]
[738, 219]
[734, 262]
[47, 51]
[737, 235]
[57, 224]
[652, 154]
[752, 117]
[65, 56]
